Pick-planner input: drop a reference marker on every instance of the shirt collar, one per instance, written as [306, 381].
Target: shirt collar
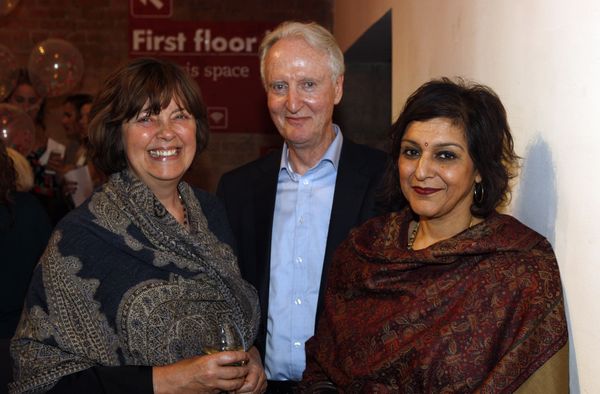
[332, 154]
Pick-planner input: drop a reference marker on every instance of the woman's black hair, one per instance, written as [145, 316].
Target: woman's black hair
[479, 112]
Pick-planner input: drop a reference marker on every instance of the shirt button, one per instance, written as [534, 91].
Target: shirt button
[298, 301]
[297, 344]
[301, 220]
[298, 259]
[305, 181]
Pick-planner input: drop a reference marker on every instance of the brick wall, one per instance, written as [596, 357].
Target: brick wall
[99, 29]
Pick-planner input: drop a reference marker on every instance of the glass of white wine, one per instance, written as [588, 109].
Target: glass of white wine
[226, 336]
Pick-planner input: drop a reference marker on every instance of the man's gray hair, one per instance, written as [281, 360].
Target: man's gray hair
[314, 35]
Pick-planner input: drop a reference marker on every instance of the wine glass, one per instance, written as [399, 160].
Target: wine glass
[226, 336]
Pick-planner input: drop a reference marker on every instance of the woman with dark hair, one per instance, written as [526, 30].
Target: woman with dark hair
[24, 232]
[75, 152]
[445, 294]
[45, 187]
[75, 108]
[135, 282]
[26, 97]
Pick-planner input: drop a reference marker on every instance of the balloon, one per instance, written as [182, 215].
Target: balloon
[55, 67]
[6, 6]
[8, 74]
[16, 128]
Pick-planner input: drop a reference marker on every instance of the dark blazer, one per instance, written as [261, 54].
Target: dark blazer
[248, 193]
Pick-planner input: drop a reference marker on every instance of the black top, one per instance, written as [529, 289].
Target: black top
[24, 232]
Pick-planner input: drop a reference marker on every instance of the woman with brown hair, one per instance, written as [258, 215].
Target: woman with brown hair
[135, 282]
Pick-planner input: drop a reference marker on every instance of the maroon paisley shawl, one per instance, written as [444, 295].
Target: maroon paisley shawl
[481, 311]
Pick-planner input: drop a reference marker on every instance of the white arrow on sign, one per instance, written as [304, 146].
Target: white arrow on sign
[157, 3]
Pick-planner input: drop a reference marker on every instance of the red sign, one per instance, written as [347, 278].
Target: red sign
[151, 8]
[222, 57]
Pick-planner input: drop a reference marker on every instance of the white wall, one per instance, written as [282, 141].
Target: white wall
[543, 59]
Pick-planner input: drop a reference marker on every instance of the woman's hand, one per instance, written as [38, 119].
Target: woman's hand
[204, 374]
[56, 163]
[256, 380]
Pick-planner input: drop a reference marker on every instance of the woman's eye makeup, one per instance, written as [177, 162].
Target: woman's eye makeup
[446, 155]
[413, 151]
[410, 152]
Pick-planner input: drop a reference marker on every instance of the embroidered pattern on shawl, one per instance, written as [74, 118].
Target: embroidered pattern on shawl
[169, 287]
[479, 312]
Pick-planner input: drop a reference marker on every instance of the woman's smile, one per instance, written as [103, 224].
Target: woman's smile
[164, 154]
[435, 152]
[160, 147]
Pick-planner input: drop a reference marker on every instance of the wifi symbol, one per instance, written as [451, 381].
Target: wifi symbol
[217, 117]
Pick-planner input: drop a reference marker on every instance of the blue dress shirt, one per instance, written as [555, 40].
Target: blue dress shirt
[299, 236]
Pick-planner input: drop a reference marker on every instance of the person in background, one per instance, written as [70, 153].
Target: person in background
[24, 179]
[75, 108]
[26, 97]
[24, 232]
[97, 176]
[290, 209]
[84, 117]
[46, 187]
[75, 152]
[134, 284]
[445, 294]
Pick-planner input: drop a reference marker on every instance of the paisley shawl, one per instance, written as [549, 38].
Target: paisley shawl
[480, 312]
[123, 283]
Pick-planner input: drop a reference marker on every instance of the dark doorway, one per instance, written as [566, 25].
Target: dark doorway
[365, 110]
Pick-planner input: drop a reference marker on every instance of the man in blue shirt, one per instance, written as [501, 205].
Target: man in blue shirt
[290, 209]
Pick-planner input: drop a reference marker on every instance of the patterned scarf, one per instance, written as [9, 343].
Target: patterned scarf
[123, 283]
[481, 311]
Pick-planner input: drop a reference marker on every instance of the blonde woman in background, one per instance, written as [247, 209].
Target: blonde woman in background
[24, 172]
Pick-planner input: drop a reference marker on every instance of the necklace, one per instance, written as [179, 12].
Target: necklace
[413, 235]
[185, 214]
